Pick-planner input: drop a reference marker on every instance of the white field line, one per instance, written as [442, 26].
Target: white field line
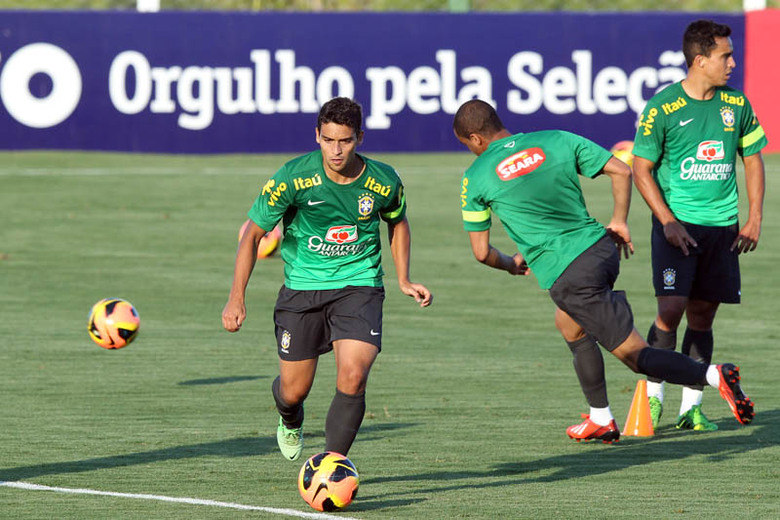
[181, 500]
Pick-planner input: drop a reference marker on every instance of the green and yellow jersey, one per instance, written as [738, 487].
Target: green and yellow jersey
[694, 145]
[530, 181]
[331, 231]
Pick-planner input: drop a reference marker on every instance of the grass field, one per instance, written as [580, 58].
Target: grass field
[467, 404]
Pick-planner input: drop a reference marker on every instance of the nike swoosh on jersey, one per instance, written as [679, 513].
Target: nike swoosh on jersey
[314, 202]
[374, 333]
[683, 123]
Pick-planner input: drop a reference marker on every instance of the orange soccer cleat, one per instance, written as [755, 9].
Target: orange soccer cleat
[588, 430]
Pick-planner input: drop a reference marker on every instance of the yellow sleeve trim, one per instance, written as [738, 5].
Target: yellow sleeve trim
[751, 138]
[395, 213]
[476, 216]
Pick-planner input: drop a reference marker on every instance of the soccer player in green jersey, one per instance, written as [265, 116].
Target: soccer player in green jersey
[530, 181]
[331, 202]
[685, 150]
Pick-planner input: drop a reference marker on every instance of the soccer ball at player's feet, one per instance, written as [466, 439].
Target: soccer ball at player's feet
[328, 481]
[113, 323]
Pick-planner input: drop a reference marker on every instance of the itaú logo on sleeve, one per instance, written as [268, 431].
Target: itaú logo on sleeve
[521, 163]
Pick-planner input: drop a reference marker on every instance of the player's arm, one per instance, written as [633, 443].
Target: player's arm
[400, 236]
[674, 232]
[620, 175]
[747, 240]
[485, 253]
[234, 313]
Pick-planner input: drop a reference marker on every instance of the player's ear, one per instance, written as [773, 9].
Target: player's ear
[317, 134]
[360, 137]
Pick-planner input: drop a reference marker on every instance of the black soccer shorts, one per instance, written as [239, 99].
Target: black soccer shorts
[710, 272]
[308, 322]
[584, 291]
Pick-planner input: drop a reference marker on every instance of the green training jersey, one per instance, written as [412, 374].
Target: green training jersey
[331, 231]
[530, 181]
[694, 145]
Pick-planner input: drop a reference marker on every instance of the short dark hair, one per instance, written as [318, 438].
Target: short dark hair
[476, 117]
[699, 38]
[342, 111]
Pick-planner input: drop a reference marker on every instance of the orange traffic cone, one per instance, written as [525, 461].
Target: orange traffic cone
[638, 423]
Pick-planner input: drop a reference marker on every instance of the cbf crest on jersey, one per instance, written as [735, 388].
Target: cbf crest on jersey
[365, 206]
[727, 114]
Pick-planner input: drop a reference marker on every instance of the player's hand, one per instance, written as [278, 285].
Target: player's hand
[519, 267]
[233, 315]
[418, 291]
[747, 240]
[619, 233]
[678, 236]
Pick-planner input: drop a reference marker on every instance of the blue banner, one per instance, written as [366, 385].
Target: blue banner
[204, 82]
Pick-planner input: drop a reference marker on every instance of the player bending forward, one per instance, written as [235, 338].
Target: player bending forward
[331, 202]
[531, 182]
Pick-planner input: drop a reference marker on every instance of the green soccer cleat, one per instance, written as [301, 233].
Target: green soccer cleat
[656, 410]
[694, 419]
[290, 441]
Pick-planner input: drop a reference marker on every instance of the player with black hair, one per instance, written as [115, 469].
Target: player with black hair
[530, 181]
[685, 151]
[331, 202]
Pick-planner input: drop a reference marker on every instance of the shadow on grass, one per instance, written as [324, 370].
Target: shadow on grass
[220, 380]
[238, 447]
[596, 459]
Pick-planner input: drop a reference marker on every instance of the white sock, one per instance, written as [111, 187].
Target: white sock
[655, 390]
[601, 416]
[690, 397]
[713, 376]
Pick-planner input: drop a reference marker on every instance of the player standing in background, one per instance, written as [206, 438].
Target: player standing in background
[530, 181]
[331, 201]
[684, 166]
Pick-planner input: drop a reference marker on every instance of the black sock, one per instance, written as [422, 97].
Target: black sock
[665, 340]
[672, 367]
[698, 345]
[589, 366]
[343, 421]
[292, 415]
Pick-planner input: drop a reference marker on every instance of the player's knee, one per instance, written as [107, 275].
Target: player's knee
[669, 319]
[670, 313]
[628, 351]
[568, 328]
[701, 314]
[352, 379]
[629, 358]
[294, 394]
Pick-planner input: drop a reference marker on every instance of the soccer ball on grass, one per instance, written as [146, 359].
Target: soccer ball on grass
[328, 481]
[113, 323]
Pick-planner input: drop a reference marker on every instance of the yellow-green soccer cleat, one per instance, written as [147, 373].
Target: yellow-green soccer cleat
[290, 441]
[694, 419]
[656, 409]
